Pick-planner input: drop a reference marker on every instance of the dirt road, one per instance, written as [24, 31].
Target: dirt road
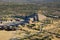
[6, 35]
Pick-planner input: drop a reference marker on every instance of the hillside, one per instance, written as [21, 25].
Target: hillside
[12, 7]
[18, 9]
[29, 1]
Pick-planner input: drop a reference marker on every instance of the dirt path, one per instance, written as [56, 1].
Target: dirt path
[6, 35]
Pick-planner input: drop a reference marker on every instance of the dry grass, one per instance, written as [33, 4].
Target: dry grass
[32, 34]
